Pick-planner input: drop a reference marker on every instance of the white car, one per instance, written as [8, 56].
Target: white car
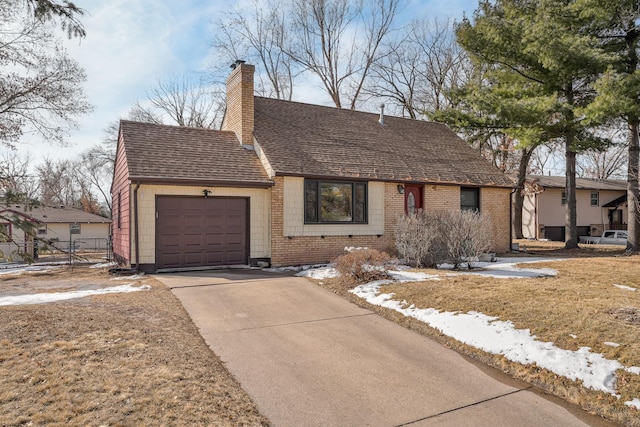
[609, 237]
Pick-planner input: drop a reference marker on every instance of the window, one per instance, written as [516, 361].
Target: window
[595, 198]
[74, 228]
[470, 199]
[5, 232]
[42, 229]
[335, 202]
[563, 198]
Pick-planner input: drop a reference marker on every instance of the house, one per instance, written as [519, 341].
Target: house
[57, 224]
[287, 183]
[600, 204]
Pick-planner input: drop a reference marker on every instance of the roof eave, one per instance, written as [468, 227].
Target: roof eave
[200, 182]
[392, 180]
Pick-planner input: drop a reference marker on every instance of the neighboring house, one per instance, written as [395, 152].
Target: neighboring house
[600, 205]
[286, 183]
[56, 224]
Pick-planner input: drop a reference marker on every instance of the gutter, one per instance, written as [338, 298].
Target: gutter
[513, 191]
[136, 242]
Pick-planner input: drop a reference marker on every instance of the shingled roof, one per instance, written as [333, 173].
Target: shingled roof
[310, 140]
[54, 214]
[581, 183]
[161, 153]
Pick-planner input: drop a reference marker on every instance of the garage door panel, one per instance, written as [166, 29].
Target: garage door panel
[198, 232]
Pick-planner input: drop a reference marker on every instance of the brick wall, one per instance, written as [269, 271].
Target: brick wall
[305, 249]
[240, 103]
[495, 202]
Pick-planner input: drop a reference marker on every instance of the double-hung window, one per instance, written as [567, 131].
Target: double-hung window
[335, 202]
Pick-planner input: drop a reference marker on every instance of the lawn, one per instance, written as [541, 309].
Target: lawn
[591, 302]
[119, 359]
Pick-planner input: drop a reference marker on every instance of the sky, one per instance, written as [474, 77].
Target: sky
[132, 45]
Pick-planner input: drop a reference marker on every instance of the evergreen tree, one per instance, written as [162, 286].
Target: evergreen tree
[544, 60]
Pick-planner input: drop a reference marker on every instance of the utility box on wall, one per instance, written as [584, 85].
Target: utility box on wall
[541, 232]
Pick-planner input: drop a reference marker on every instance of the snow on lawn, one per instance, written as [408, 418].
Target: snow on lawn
[505, 268]
[25, 268]
[635, 403]
[626, 288]
[61, 296]
[501, 337]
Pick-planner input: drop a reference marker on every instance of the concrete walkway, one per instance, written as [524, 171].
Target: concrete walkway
[310, 358]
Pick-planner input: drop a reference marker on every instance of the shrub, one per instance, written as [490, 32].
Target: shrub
[363, 265]
[432, 238]
[415, 238]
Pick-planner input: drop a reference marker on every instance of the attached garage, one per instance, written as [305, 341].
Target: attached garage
[196, 232]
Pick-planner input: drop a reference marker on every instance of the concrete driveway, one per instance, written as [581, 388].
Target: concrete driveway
[310, 358]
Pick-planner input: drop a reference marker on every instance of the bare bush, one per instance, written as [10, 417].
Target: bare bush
[466, 236]
[363, 265]
[415, 236]
[432, 238]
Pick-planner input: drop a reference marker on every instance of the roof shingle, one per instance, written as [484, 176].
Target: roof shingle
[53, 215]
[311, 140]
[174, 153]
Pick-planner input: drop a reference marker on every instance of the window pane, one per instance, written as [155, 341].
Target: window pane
[311, 201]
[470, 198]
[360, 203]
[4, 233]
[335, 203]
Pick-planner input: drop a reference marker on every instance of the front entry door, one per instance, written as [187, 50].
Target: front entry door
[412, 199]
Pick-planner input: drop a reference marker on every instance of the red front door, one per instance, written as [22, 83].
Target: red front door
[412, 199]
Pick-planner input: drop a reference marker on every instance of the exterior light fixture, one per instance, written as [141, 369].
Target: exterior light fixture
[206, 193]
[400, 188]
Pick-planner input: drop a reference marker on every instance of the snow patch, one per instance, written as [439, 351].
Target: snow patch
[61, 296]
[319, 273]
[633, 370]
[626, 288]
[501, 337]
[104, 265]
[635, 403]
[611, 344]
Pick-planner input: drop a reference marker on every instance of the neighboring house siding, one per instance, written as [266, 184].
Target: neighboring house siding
[122, 210]
[91, 236]
[551, 212]
[259, 203]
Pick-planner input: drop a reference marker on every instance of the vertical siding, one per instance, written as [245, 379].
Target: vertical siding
[121, 214]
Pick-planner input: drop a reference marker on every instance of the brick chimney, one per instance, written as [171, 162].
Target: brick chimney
[239, 115]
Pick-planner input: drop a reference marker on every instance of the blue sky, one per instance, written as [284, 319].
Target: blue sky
[132, 44]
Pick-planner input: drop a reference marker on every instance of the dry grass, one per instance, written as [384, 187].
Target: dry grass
[120, 359]
[580, 301]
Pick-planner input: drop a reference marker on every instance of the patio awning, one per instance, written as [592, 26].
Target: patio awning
[617, 202]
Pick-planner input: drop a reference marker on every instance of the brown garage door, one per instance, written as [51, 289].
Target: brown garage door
[201, 232]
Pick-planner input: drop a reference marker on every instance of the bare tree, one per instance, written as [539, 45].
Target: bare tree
[93, 172]
[57, 186]
[181, 102]
[40, 86]
[420, 68]
[17, 182]
[258, 34]
[610, 162]
[339, 40]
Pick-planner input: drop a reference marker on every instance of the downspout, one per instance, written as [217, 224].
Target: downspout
[513, 191]
[136, 241]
